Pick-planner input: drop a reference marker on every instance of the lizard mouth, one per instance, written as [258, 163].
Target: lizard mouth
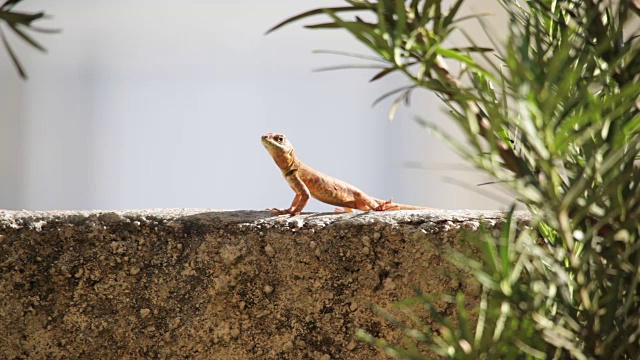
[275, 142]
[266, 141]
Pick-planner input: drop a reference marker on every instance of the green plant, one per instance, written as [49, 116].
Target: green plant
[18, 22]
[553, 113]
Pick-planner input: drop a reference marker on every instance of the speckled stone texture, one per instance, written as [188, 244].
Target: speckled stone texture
[209, 284]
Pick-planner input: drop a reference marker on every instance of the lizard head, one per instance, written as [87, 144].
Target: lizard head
[276, 143]
[280, 149]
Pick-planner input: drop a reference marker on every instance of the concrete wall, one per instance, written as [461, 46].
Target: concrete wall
[204, 284]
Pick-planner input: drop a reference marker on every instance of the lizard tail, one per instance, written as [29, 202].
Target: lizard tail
[390, 205]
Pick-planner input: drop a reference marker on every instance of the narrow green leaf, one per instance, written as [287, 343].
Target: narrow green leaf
[490, 35]
[507, 238]
[463, 319]
[382, 22]
[632, 127]
[472, 16]
[334, 25]
[383, 73]
[13, 56]
[437, 86]
[386, 95]
[27, 38]
[20, 18]
[323, 26]
[435, 14]
[349, 66]
[489, 60]
[44, 31]
[401, 21]
[472, 49]
[394, 106]
[9, 4]
[363, 3]
[448, 20]
[315, 12]
[456, 55]
[349, 54]
[365, 35]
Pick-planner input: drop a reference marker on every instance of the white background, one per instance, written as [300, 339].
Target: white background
[154, 103]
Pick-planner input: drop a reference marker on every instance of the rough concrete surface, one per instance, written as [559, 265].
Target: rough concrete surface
[209, 284]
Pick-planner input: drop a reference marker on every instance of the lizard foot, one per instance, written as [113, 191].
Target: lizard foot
[386, 205]
[284, 211]
[277, 211]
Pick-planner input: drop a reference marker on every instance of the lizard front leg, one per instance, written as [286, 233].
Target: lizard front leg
[302, 195]
[294, 203]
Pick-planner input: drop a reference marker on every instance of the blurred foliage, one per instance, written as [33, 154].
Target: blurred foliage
[552, 113]
[18, 22]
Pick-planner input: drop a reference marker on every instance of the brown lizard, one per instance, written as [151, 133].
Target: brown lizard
[306, 182]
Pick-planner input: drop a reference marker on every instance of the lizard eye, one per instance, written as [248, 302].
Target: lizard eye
[280, 139]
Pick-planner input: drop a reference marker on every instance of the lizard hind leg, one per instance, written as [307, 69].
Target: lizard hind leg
[386, 205]
[365, 202]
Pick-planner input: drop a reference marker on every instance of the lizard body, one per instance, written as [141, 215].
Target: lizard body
[306, 181]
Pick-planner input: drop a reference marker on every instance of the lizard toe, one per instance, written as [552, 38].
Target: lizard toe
[278, 211]
[386, 205]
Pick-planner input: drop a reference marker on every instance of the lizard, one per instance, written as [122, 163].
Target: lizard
[306, 181]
